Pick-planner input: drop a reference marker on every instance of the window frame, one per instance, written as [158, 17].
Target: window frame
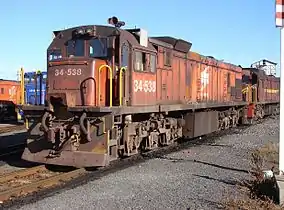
[147, 69]
[106, 48]
[74, 51]
[50, 52]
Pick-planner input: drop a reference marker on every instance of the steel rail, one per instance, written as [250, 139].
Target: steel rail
[34, 186]
[11, 128]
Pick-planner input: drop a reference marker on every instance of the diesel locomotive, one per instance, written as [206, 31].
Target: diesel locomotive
[113, 92]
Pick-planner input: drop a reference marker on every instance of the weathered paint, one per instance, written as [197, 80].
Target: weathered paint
[144, 86]
[212, 80]
[77, 84]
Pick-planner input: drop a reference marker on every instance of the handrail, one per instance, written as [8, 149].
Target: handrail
[22, 86]
[122, 69]
[245, 90]
[110, 84]
[254, 92]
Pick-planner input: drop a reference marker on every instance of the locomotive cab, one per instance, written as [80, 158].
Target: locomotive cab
[74, 61]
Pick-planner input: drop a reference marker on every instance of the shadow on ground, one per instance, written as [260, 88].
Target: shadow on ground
[10, 142]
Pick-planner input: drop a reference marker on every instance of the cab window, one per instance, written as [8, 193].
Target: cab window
[54, 54]
[98, 48]
[76, 47]
[145, 62]
[140, 61]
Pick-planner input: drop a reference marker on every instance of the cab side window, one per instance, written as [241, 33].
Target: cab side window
[145, 62]
[140, 61]
[124, 55]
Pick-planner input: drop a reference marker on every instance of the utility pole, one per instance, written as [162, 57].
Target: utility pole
[280, 24]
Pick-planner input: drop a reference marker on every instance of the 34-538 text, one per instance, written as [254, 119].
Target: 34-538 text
[68, 72]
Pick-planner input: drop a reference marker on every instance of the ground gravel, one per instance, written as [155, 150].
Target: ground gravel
[196, 178]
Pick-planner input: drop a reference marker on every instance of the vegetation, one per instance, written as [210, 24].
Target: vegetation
[260, 193]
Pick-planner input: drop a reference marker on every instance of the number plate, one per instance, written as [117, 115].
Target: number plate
[68, 72]
[145, 86]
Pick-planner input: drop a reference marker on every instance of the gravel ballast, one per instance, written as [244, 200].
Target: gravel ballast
[200, 177]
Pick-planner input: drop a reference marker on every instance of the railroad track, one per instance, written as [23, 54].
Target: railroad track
[12, 128]
[29, 180]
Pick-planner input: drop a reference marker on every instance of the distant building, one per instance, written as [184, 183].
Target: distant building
[268, 66]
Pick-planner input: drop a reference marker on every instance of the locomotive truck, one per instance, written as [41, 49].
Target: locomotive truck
[114, 92]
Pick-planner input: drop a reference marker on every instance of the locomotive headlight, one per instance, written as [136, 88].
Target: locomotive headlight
[89, 31]
[80, 31]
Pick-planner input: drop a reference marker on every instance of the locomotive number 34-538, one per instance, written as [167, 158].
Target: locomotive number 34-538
[67, 72]
[144, 86]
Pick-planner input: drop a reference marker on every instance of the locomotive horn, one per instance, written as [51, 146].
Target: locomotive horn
[115, 22]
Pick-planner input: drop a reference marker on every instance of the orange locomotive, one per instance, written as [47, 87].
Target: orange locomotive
[10, 91]
[261, 91]
[115, 92]
[9, 98]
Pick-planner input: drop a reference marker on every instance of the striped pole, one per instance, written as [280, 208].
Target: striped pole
[280, 24]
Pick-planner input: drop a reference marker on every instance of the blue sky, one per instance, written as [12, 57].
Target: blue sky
[238, 31]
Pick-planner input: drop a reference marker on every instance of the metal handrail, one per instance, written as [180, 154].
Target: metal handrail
[22, 86]
[110, 84]
[122, 69]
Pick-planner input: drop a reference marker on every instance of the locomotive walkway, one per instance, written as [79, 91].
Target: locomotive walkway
[200, 177]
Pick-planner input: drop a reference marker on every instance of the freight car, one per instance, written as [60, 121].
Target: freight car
[114, 92]
[35, 85]
[9, 98]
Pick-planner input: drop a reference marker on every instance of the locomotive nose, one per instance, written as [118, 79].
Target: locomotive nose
[78, 82]
[67, 81]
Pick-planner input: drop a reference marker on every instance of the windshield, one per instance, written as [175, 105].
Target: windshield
[76, 47]
[246, 79]
[98, 47]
